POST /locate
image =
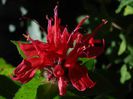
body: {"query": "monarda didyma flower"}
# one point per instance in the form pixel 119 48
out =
pixel 58 57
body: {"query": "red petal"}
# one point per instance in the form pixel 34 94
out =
pixel 94 51
pixel 24 72
pixel 50 36
pixel 81 22
pixel 34 48
pixel 28 49
pixel 71 58
pixel 58 71
pixel 64 36
pixel 62 84
pixel 79 78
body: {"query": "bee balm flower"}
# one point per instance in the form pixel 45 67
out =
pixel 58 57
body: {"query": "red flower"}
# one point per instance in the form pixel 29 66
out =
pixel 58 57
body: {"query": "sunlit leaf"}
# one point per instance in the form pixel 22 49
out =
pixel 125 74
pixel 29 90
pixel 123 3
pixel 88 62
pixel 128 10
pixel 122 47
pixel 19 49
pixel 5 69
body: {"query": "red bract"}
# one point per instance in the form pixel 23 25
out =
pixel 58 57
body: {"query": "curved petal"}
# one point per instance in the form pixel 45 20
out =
pixel 24 72
pixel 79 78
pixel 34 48
pixel 28 49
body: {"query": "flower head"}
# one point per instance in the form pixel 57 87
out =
pixel 58 57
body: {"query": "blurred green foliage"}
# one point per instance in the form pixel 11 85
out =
pixel 128 4
pixel 5 69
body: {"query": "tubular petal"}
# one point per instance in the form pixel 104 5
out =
pixel 62 84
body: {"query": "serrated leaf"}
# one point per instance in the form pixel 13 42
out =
pixel 5 69
pixel 125 75
pixel 19 49
pixel 88 62
pixel 29 90
pixel 128 10
pixel 122 47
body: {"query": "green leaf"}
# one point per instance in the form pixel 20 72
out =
pixel 122 47
pixel 48 90
pixel 1 97
pixel 5 69
pixel 88 62
pixel 125 75
pixel 128 10
pixel 29 90
pixel 56 97
pixel 123 3
pixel 19 49
pixel 129 58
